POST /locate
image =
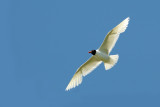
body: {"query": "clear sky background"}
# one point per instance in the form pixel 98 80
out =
pixel 43 42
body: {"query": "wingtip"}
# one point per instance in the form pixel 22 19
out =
pixel 128 18
pixel 66 89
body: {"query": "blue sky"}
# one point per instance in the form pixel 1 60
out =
pixel 43 42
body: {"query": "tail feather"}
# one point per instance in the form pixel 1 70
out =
pixel 111 62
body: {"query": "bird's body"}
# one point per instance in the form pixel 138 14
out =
pixel 103 56
pixel 100 55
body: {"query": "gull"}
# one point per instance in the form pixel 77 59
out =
pixel 102 54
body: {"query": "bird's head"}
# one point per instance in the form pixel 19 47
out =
pixel 93 52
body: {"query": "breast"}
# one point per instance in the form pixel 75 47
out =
pixel 102 56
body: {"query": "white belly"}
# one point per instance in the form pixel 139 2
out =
pixel 102 56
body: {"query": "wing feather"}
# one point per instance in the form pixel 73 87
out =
pixel 85 69
pixel 112 37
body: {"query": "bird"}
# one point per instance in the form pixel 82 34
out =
pixel 101 55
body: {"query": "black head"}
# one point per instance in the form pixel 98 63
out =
pixel 93 52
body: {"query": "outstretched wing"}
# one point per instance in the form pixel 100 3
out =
pixel 112 37
pixel 85 69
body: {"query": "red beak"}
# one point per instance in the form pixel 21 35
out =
pixel 90 52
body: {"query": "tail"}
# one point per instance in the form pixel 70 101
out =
pixel 113 59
